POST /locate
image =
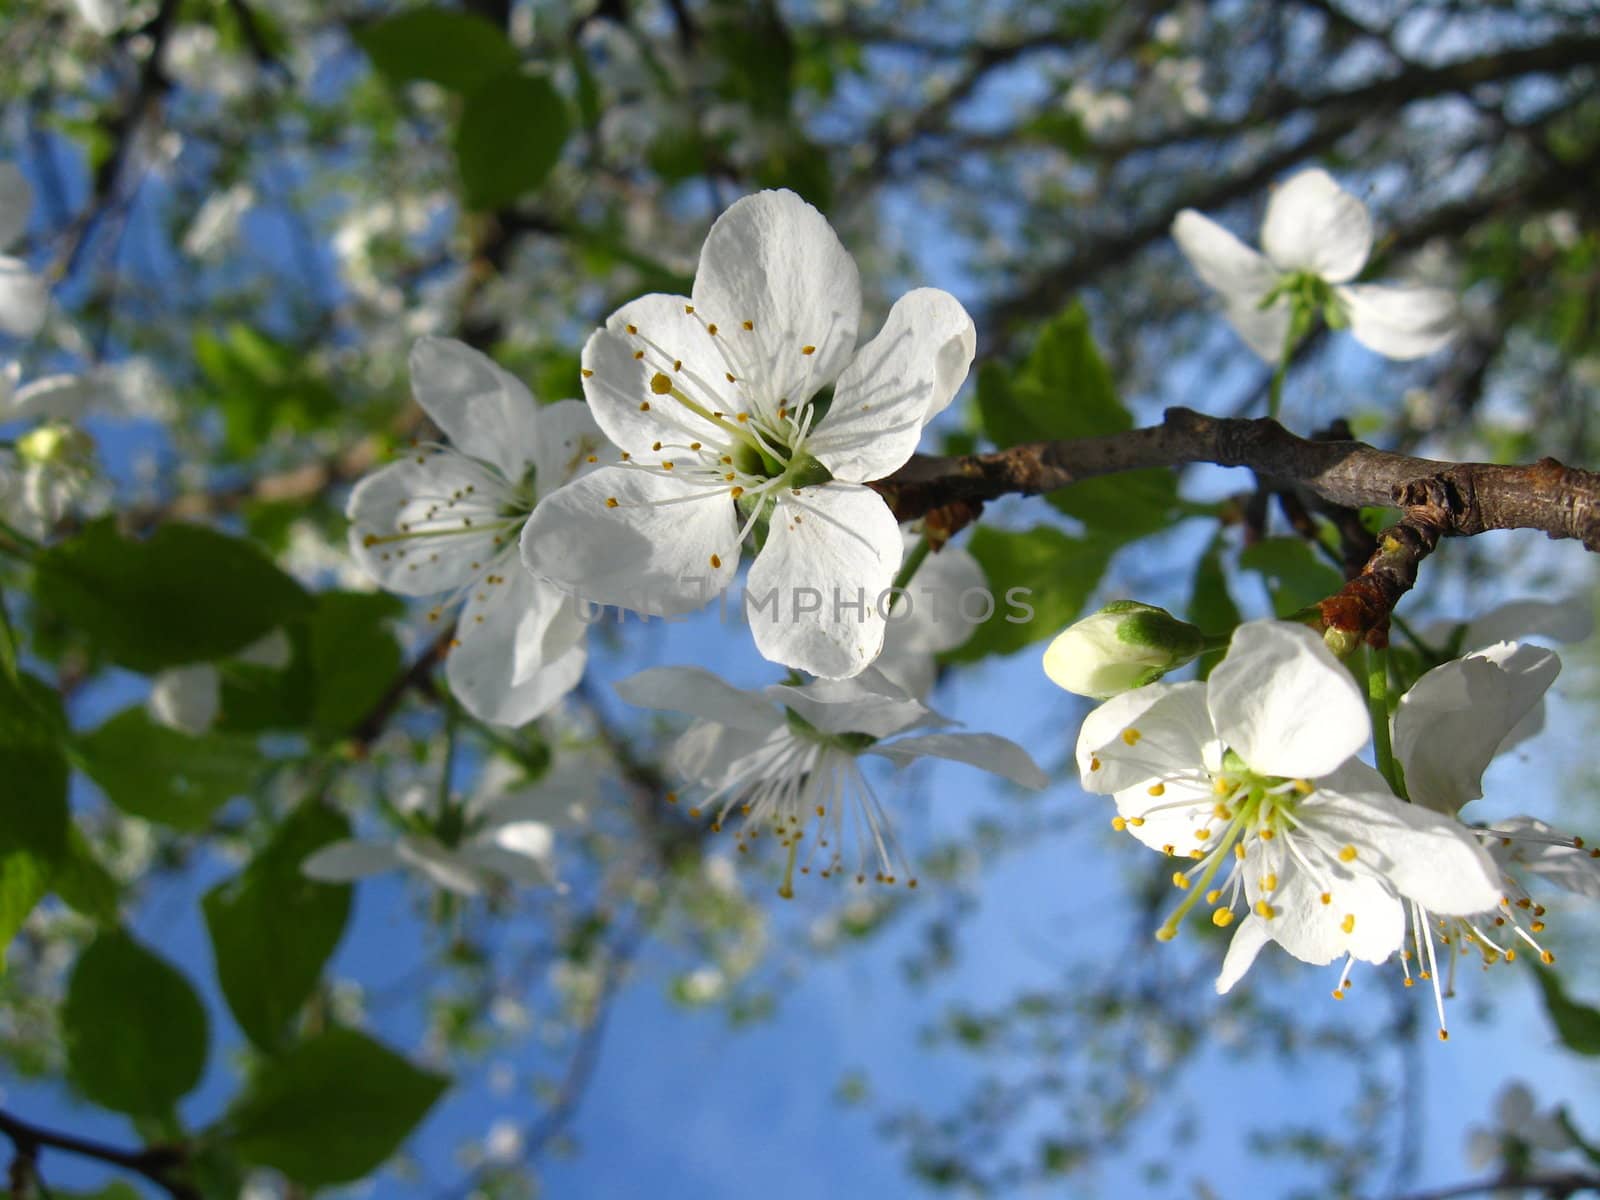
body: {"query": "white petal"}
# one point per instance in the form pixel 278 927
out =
pixel 442 867
pixel 773 260
pixel 24 299
pixel 505 669
pixel 484 411
pixel 1150 734
pixel 930 618
pixel 1570 619
pixel 894 386
pixel 1525 845
pixel 699 693
pixel 1242 950
pixel 342 862
pixel 1314 225
pixel 1400 322
pixel 999 755
pixel 831 555
pixel 1240 274
pixel 1284 703
pixel 666 339
pixel 187 698
pixel 709 751
pixel 1361 915
pixel 651 553
pixel 273 651
pixel 1456 718
pixel 420 497
pixel 845 706
pixel 102 16
pixel 565 438
pixel 520 850
pixel 57 398
pixel 1426 857
pixel 1263 329
pixel 16 199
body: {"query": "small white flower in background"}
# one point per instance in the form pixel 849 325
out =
pixel 1125 645
pixel 217 222
pixel 1252 775
pixel 931 618
pixel 24 298
pixel 102 16
pixel 1519 1130
pixel 1317 237
pixel 505 830
pixel 785 758
pixel 446 519
pixel 49 470
pixel 714 401
pixel 189 699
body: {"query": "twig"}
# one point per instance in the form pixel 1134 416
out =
pixel 155 1163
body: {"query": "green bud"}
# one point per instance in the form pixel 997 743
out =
pixel 1125 645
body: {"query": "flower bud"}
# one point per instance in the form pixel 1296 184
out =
pixel 1123 646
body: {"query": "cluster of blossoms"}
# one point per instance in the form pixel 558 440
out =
pixel 1253 778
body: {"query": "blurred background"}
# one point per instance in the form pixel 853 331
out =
pixel 247 211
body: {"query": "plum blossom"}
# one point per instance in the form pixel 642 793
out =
pixel 719 403
pixel 930 619
pixel 506 830
pixel 1519 1130
pixel 1123 646
pixel 189 699
pixel 447 519
pixel 786 758
pixel 1253 775
pixel 1317 238
pixel 24 297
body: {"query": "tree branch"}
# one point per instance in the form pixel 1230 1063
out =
pixel 155 1163
pixel 1458 499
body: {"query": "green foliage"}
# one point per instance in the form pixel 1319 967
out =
pixel 22 885
pixel 33 802
pixel 183 595
pixel 272 929
pixel 162 775
pixel 1211 605
pixel 135 1030
pixel 457 50
pixel 1295 576
pixel 1055 572
pixel 331 1109
pixel 353 656
pixel 1065 390
pixel 509 137
pixel 262 387
pixel 1577 1024
pixel 83 883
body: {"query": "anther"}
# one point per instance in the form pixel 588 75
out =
pixel 660 384
pixel 808 350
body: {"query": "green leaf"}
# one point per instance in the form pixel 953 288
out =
pixel 82 881
pixel 135 1030
pixel 1211 605
pixel 1577 1024
pixel 1295 576
pixel 185 595
pixel 330 1110
pixel 457 50
pixel 262 387
pixel 22 885
pixel 272 929
pixel 1131 505
pixel 509 137
pixel 1064 390
pixel 150 771
pixel 1040 581
pixel 354 657
pixel 33 800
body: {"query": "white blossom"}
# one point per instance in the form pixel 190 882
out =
pixel 1123 646
pixel 931 618
pixel 785 758
pixel 713 400
pixel 1316 233
pixel 24 297
pixel 447 519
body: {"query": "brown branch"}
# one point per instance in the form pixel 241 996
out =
pixel 155 1163
pixel 1461 499
pixel 1555 1185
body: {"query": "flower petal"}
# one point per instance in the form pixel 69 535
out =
pixel 894 386
pixel 342 862
pixel 24 299
pixel 1456 718
pixel 1529 845
pixel 930 618
pixel 987 751
pixel 1432 859
pixel 187 699
pixel 566 437
pixel 709 752
pixel 699 693
pixel 16 199
pixel 1240 274
pixel 444 868
pixel 668 338
pixel 57 398
pixel 1325 914
pixel 1568 620
pixel 1153 733
pixel 813 593
pixel 1263 329
pixel 651 552
pixel 486 412
pixel 1284 703
pixel 1400 321
pixel 505 669
pixel 521 851
pixel 1247 942
pixel 773 260
pixel 850 706
pixel 417 530
pixel 1314 225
